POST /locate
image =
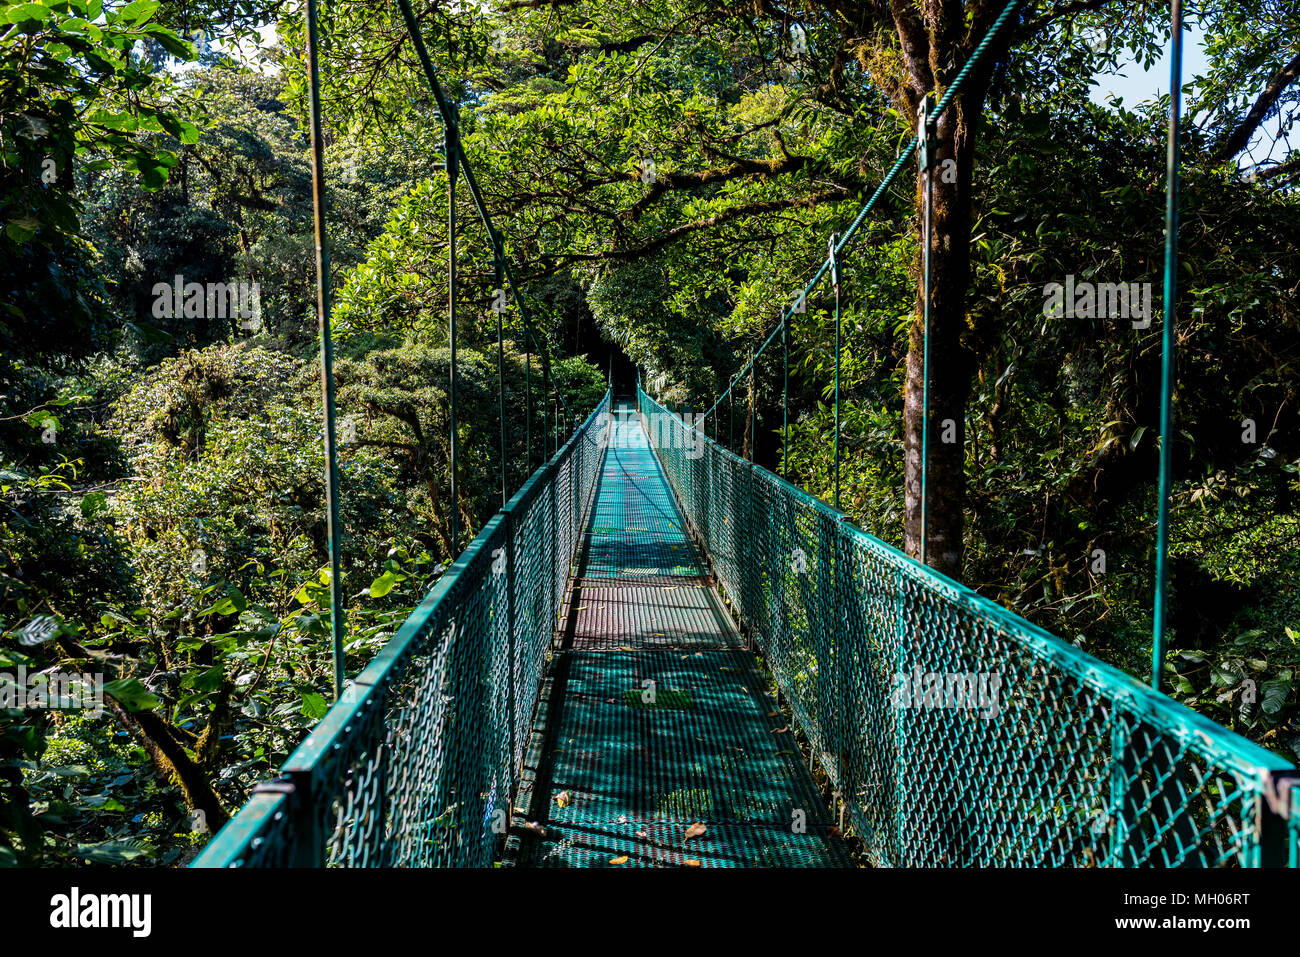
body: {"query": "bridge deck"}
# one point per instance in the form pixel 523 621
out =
pixel 654 716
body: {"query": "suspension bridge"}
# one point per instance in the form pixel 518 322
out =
pixel 658 653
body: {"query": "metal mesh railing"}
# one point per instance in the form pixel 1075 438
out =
pixel 417 762
pixel 956 733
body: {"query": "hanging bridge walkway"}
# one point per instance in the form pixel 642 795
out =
pixel 657 718
pixel 576 691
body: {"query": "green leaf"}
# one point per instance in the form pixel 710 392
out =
pixel 171 42
pixel 27 11
pixel 314 706
pixel 131 694
pixel 19 231
pixel 109 853
pixel 382 585
pixel 93 504
pixel 208 680
pixel 1275 693
pixel 138 11
pixel 183 130
pixel 124 122
pixel 233 603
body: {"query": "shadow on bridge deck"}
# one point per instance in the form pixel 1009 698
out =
pixel 654 716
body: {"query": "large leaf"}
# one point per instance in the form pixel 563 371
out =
pixel 131 694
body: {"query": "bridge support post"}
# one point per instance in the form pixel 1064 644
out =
pixel 1169 343
pixel 334 526
pixel 1277 821
pixel 516 751
pixel 926 146
pixel 453 170
pixel 835 279
pixel 308 836
pixel 750 560
pixel 785 396
pixel 554 604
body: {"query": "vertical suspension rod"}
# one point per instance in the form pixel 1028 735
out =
pixel 333 527
pixel 1169 343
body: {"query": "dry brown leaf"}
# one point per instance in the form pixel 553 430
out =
pixel 618 860
pixel 696 830
pixel 691 862
pixel 774 714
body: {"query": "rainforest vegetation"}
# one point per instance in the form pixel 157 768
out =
pixel 665 175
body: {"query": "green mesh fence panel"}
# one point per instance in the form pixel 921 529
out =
pixel 417 762
pixel 655 716
pixel 1015 749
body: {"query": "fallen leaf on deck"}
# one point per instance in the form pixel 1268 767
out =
pixel 696 830
pixel 642 836
pixel 618 860
pixel 692 862
pixel 535 828
pixel 562 799
pixel 774 714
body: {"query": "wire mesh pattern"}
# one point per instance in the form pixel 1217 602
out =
pixel 958 734
pixel 416 763
pixel 656 717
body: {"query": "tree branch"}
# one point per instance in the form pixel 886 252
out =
pixel 1239 138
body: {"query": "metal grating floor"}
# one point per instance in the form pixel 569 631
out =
pixel 654 716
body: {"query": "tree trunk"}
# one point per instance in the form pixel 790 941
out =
pixel 935 44
pixel 951 364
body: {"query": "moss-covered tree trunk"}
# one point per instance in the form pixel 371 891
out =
pixel 936 42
